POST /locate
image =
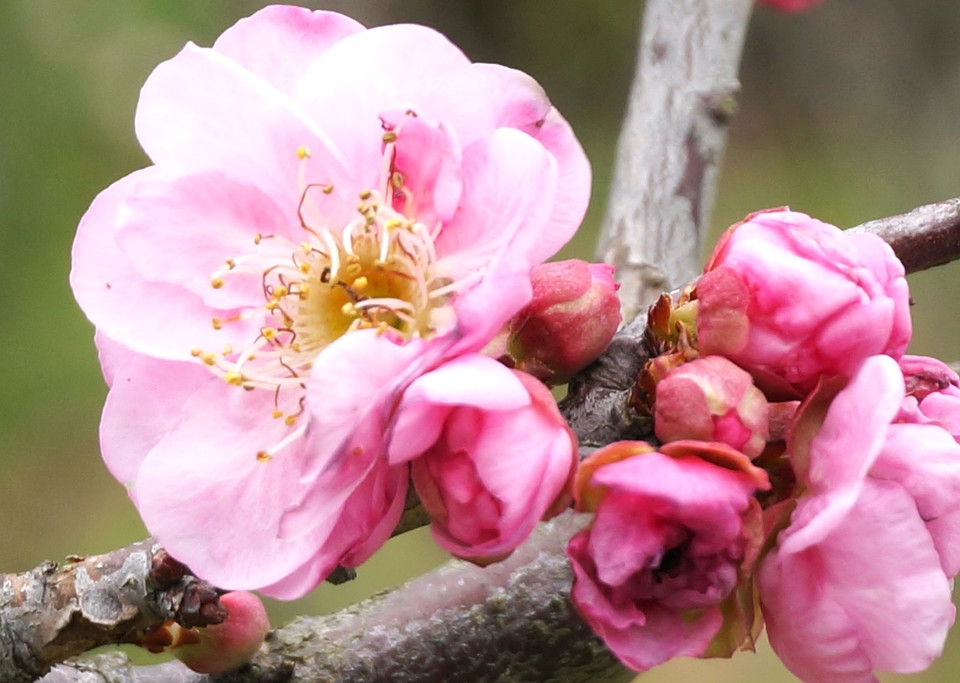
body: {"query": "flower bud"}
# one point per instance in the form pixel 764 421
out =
pixel 231 644
pixel 711 399
pixel 490 455
pixel 570 321
pixel 791 299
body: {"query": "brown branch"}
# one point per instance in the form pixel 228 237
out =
pixel 512 621
pixel 681 103
pixel 52 613
pixel 926 237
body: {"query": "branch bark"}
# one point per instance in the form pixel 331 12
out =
pixel 925 237
pixel 681 103
pixel 51 613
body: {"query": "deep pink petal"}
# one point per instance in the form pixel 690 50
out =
pixel 280 42
pixel 470 380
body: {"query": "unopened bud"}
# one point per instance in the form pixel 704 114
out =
pixel 570 321
pixel 231 644
pixel 711 399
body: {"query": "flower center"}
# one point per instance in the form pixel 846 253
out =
pixel 380 272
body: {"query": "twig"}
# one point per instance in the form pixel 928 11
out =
pixel 52 613
pixel 926 237
pixel 681 102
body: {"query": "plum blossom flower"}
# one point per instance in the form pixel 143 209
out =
pixel 456 424
pixel 658 572
pixel 711 399
pixel 790 299
pixel 571 318
pixel 331 211
pixel 860 578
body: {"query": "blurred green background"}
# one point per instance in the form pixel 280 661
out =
pixel 849 112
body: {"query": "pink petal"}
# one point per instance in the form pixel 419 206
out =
pixel 522 104
pixel 145 316
pixel 509 187
pixel 364 76
pixel 137 413
pixel 849 604
pixel 215 503
pixel 350 384
pixel 470 380
pixel 280 42
pixel 845 448
pixel 181 231
pixel 200 110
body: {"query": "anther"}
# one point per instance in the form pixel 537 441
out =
pixel 233 377
pixel 208 358
pixel 303 152
pixel 263 456
pixel 216 282
pixel 390 136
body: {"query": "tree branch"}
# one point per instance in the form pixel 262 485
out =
pixel 681 103
pixel 51 613
pixel 926 237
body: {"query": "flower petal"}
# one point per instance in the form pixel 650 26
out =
pixel 870 595
pixel 280 42
pixel 200 110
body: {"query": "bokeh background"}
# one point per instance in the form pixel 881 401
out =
pixel 849 112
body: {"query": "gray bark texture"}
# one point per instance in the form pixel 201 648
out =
pixel 682 100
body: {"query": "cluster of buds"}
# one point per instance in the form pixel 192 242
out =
pixel 795 441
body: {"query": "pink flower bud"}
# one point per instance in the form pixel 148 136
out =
pixel 231 644
pixel 790 299
pixel 711 399
pixel 490 454
pixel 663 569
pixel 570 321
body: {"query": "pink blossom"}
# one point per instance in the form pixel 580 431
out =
pixel 860 579
pixel 460 426
pixel 331 211
pixel 659 572
pixel 791 5
pixel 570 320
pixel 791 299
pixel 711 399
